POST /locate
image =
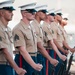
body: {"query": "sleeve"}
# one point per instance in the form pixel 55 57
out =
pixel 54 33
pixel 3 40
pixel 47 34
pixel 39 39
pixel 47 37
pixel 54 30
pixel 18 38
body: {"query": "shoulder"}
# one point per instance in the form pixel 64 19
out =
pixel 17 27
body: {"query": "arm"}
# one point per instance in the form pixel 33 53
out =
pixel 45 54
pixel 59 47
pixel 28 58
pixel 68 47
pixel 4 49
pixel 63 57
pixel 55 36
pixel 12 63
pixel 20 43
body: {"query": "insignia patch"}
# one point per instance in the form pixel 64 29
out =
pixel 45 33
pixel 0 38
pixel 44 41
pixel 16 37
pixel 52 32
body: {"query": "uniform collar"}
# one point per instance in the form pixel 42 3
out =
pixel 25 25
pixel 47 24
pixel 60 26
pixel 37 23
pixel 3 27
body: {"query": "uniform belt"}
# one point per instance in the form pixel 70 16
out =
pixel 31 53
pixel 65 48
pixel 38 52
pixel 47 47
pixel 4 62
pixel 15 52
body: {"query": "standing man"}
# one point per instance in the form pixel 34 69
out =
pixel 25 41
pixel 58 40
pixel 65 43
pixel 63 24
pixel 6 52
pixel 48 40
pixel 39 16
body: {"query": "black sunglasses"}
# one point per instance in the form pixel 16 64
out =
pixel 32 11
pixel 44 11
pixel 8 8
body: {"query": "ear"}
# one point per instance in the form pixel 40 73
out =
pixel 23 13
pixel 1 12
pixel 39 13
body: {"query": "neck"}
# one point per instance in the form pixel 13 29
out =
pixel 62 25
pixel 5 22
pixel 38 19
pixel 46 20
pixel 26 21
pixel 56 21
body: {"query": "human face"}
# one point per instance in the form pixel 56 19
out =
pixel 64 22
pixel 59 18
pixel 29 16
pixel 42 15
pixel 51 18
pixel 7 14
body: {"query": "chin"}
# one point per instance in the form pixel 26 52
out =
pixel 32 19
pixel 9 19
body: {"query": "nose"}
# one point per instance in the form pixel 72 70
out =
pixel 12 13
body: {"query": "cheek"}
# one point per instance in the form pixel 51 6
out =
pixel 8 15
pixel 65 23
pixel 59 18
pixel 34 16
pixel 43 15
pixel 30 16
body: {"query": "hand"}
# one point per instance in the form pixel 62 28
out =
pixel 21 71
pixel 63 57
pixel 38 67
pixel 66 52
pixel 72 50
pixel 54 62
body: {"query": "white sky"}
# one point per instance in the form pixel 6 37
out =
pixel 67 6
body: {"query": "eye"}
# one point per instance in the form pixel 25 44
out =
pixel 9 11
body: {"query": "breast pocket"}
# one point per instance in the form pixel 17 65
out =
pixel 4 38
pixel 59 32
pixel 28 36
pixel 10 37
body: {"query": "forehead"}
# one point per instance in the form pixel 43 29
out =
pixel 6 10
pixel 59 16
